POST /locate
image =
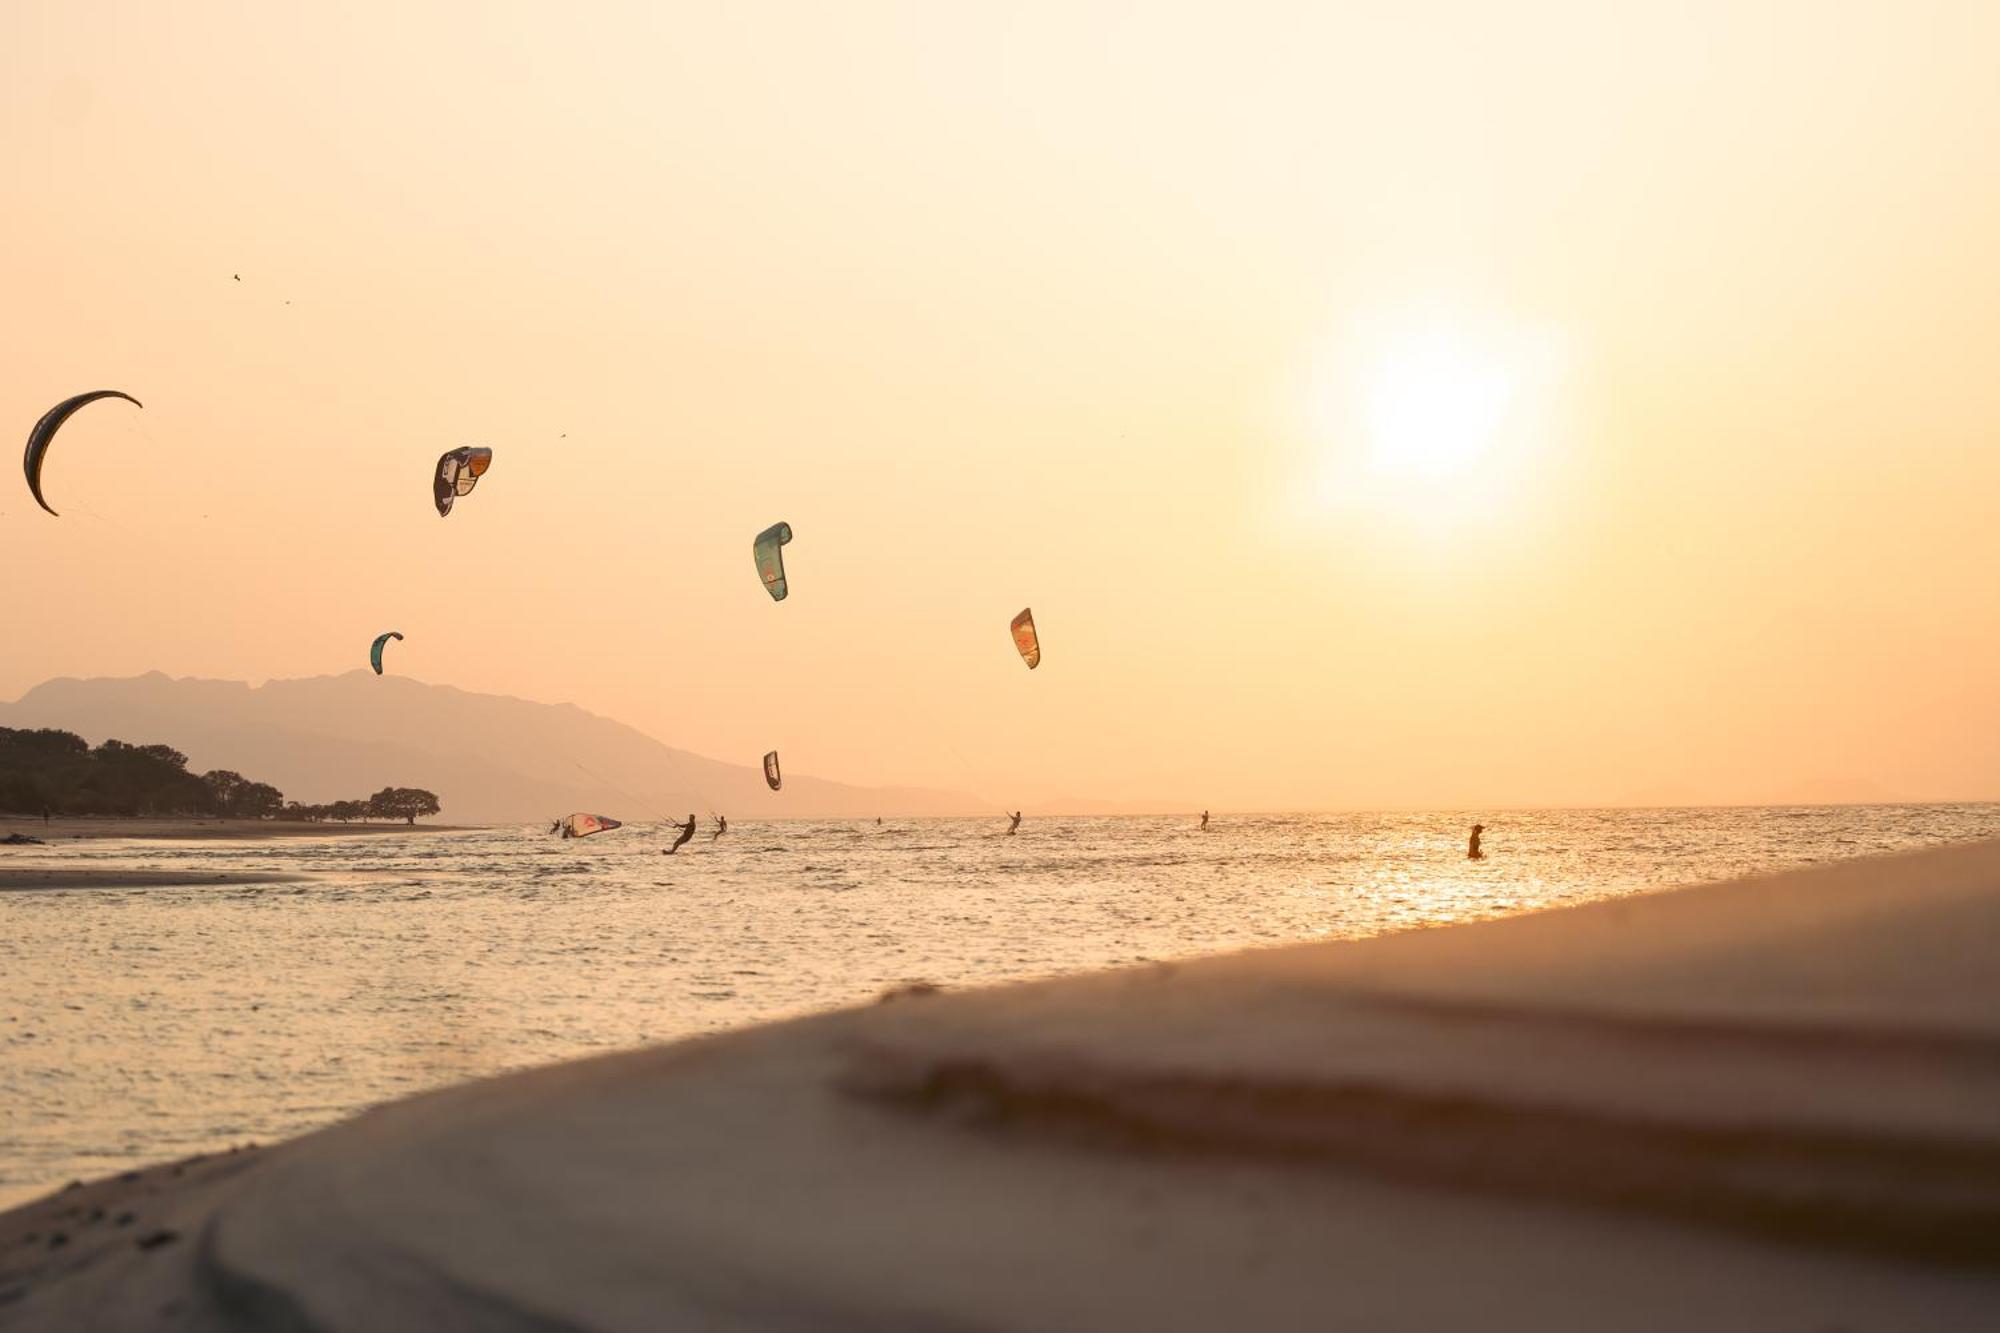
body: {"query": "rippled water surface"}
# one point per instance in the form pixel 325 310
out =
pixel 140 1024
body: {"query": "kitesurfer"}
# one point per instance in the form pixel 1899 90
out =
pixel 1472 852
pixel 687 832
pixel 1204 819
pixel 721 827
pixel 1014 822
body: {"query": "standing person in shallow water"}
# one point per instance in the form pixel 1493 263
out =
pixel 1014 822
pixel 721 827
pixel 1204 819
pixel 687 831
pixel 1472 851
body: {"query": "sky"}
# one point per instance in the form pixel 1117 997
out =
pixel 1378 404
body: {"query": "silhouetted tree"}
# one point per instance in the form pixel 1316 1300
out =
pixel 240 798
pixel 58 771
pixel 223 786
pixel 258 800
pixel 138 780
pixel 40 769
pixel 404 803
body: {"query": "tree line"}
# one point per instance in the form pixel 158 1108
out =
pixel 51 772
pixel 405 803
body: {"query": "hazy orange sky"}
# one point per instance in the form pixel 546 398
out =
pixel 1378 404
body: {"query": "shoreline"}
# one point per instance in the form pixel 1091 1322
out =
pixel 1765 1102
pixel 73 828
pixel 58 879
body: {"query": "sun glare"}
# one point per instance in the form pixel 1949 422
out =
pixel 1435 405
pixel 1432 419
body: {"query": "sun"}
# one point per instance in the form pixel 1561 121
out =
pixel 1435 404
pixel 1431 419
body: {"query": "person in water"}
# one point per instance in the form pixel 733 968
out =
pixel 687 832
pixel 1204 819
pixel 721 827
pixel 1472 852
pixel 1014 822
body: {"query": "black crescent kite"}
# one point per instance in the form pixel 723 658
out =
pixel 45 431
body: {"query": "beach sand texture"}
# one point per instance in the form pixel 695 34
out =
pixel 1767 1104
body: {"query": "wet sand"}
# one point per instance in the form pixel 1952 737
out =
pixel 67 828
pixel 42 879
pixel 1771 1103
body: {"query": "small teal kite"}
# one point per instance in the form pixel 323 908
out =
pixel 375 651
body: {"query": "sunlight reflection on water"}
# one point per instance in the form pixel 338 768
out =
pixel 138 1025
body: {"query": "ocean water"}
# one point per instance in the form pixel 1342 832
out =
pixel 137 1025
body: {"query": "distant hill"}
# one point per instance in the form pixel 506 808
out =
pixel 491 759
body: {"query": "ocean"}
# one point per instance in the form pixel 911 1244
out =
pixel 139 1025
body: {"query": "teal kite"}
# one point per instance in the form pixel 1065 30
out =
pixel 375 650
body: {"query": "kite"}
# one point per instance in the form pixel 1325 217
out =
pixel 771 774
pixel 770 559
pixel 375 650
pixel 458 471
pixel 45 431
pixel 1029 646
pixel 582 826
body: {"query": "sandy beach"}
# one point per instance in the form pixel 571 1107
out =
pixel 1769 1103
pixel 69 828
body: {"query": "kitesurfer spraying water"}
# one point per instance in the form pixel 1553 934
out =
pixel 1472 851
pixel 687 832
pixel 1014 822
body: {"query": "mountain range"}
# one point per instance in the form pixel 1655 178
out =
pixel 490 758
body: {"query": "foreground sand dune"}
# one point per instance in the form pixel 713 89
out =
pixel 1768 1104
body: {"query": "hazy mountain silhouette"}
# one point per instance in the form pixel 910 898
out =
pixel 490 758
